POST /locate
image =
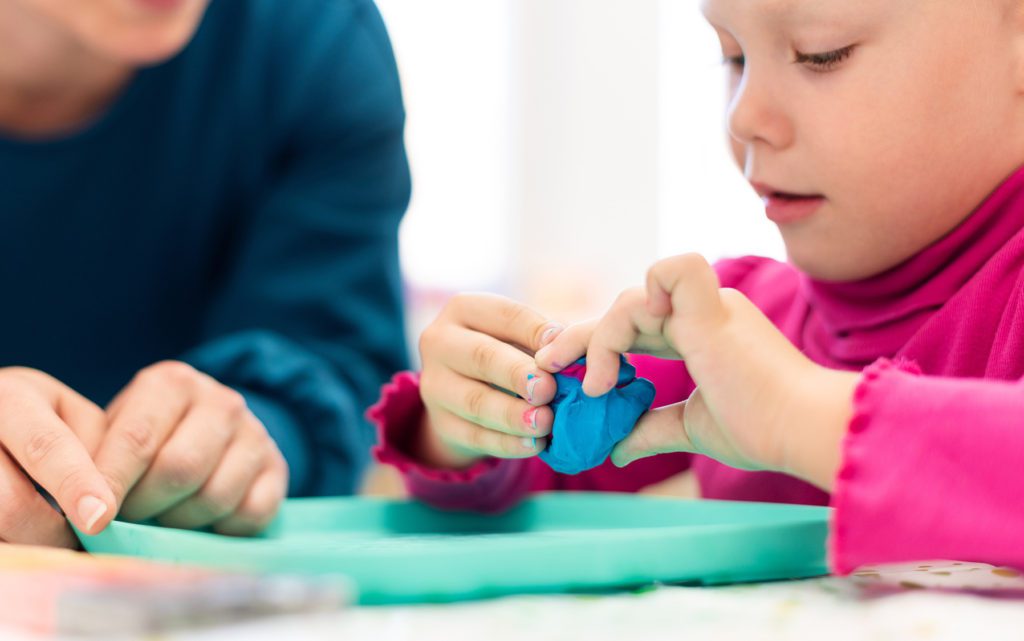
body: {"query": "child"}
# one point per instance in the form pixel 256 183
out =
pixel 881 365
pixel 199 209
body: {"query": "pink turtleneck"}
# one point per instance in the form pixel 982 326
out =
pixel 933 462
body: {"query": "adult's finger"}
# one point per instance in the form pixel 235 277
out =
pixel 25 516
pixel 51 454
pixel 188 457
pixel 260 505
pixel 146 413
pixel 224 491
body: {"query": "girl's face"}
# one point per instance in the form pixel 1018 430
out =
pixel 890 119
pixel 134 32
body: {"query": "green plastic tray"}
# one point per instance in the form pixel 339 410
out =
pixel 403 552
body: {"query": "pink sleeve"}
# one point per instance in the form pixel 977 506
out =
pixel 495 485
pixel 932 469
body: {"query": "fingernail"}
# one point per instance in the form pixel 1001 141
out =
pixel 531 382
pixel 558 366
pixel 530 418
pixel 530 443
pixel 550 333
pixel 90 510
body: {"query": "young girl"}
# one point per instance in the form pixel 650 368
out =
pixel 199 211
pixel 880 366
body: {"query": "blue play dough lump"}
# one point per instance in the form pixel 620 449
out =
pixel 587 429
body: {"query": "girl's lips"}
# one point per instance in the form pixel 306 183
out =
pixel 784 208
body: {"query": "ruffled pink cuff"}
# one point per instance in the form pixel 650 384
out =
pixel 857 487
pixel 492 485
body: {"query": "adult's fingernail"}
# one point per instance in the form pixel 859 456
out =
pixel 90 510
pixel 530 443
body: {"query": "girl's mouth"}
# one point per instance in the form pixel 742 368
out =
pixel 787 207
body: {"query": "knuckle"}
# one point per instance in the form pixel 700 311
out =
pixel 483 355
pixel 214 504
pixel 169 372
pixel 630 297
pixel 139 436
pixel 40 446
pixel 474 403
pixel 514 313
pixel 428 338
pixel 232 401
pixel 458 304
pixel 71 484
pixel 181 470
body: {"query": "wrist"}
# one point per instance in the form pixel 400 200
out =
pixel 813 434
pixel 431 450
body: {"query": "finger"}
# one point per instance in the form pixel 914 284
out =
pixel 503 319
pixel 50 453
pixel 626 326
pixel 471 439
pixel 488 407
pixel 25 516
pixel 84 417
pixel 260 505
pixel 568 347
pixel 221 495
pixel 691 284
pixel 659 431
pixel 190 455
pixel 483 358
pixel 145 416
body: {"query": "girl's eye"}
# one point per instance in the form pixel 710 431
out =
pixel 826 61
pixel 736 62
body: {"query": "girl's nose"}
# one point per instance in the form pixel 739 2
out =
pixel 757 114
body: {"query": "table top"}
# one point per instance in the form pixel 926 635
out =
pixel 940 600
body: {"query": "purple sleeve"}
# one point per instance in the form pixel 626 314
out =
pixel 932 469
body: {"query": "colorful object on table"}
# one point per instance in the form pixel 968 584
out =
pixel 586 429
pixel 53 591
pixel 406 552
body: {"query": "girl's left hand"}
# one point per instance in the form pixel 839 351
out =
pixel 185 449
pixel 760 404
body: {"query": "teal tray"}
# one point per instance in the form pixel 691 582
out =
pixel 402 552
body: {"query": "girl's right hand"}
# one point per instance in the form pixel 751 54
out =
pixel 49 434
pixel 478 347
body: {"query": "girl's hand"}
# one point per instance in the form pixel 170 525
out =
pixel 478 347
pixel 184 449
pixel 49 434
pixel 759 405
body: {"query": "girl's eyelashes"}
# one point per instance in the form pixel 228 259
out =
pixel 825 61
pixel 736 62
pixel 818 62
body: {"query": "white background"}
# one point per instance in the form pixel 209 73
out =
pixel 559 147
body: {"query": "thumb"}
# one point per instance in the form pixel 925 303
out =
pixel 659 431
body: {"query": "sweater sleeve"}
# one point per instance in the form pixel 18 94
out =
pixel 307 322
pixel 931 470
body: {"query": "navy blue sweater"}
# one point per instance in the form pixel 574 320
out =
pixel 237 207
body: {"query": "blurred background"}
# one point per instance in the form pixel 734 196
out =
pixel 559 147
